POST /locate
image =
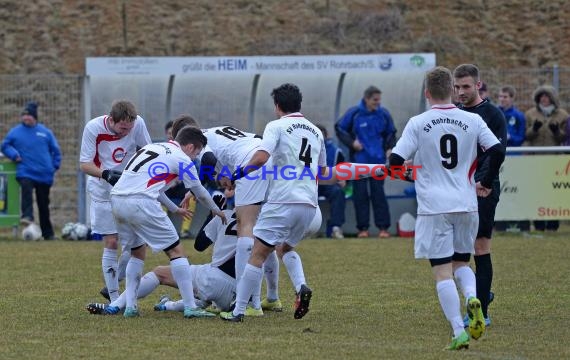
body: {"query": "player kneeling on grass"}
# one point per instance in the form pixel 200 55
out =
pixel 137 210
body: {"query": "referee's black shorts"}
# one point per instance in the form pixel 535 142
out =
pixel 487 206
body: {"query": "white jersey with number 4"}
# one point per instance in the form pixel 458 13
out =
pixel 153 167
pixel 444 140
pixel 298 150
pixel 230 146
pixel 101 146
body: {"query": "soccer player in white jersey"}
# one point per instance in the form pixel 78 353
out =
pixel 297 145
pixel 213 282
pixel 108 142
pixel 444 140
pixel 140 219
pixel 229 148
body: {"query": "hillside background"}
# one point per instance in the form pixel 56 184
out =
pixel 515 43
pixel 55 36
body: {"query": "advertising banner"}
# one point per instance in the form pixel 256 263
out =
pixel 535 187
pixel 107 66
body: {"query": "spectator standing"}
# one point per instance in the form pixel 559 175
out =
pixel 516 125
pixel 484 92
pixel 368 130
pixel 36 152
pixel 516 128
pixel 333 193
pixel 545 126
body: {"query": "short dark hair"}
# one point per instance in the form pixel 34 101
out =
pixel 123 110
pixel 191 135
pixel 509 90
pixel 323 130
pixel 288 97
pixel 465 70
pixel 439 83
pixel 182 121
pixel 168 125
pixel 371 91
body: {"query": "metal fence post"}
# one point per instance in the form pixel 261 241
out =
pixel 556 78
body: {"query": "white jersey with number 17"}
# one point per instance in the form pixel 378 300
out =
pixel 298 150
pixel 445 141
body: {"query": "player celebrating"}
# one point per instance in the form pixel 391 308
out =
pixel 445 141
pixel 295 142
pixel 108 142
pixel 140 217
pixel 212 282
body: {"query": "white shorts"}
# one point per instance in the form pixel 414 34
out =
pixel 212 284
pixel 141 219
pixel 102 219
pixel 279 223
pixel 252 189
pixel 439 236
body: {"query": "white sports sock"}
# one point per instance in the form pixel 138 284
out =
pixel 110 269
pixel 449 301
pixel 123 260
pixel 133 273
pixel 182 274
pixel 243 252
pixel 149 282
pixel 174 305
pixel 294 267
pixel 465 278
pixel 246 286
pixel 271 272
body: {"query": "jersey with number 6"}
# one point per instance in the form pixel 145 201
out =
pixel 298 150
pixel 153 167
pixel 444 140
pixel 230 146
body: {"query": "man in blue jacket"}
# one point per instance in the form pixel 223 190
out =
pixel 516 124
pixel 333 193
pixel 369 133
pixel 36 152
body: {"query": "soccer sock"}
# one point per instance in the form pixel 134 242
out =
pixel 449 301
pixel 246 286
pixel 109 265
pixel 174 305
pixel 243 251
pixel 484 276
pixel 149 282
pixel 133 274
pixel 271 272
pixel 294 267
pixel 123 260
pixel 181 272
pixel 465 278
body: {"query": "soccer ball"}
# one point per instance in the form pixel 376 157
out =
pixel 74 231
pixel 32 232
pixel 66 230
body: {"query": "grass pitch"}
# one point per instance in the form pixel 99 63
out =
pixel 371 300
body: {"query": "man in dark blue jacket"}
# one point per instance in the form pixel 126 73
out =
pixel 516 125
pixel 333 193
pixel 369 133
pixel 36 152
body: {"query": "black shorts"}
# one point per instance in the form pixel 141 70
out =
pixel 487 208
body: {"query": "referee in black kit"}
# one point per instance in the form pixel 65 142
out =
pixel 467 84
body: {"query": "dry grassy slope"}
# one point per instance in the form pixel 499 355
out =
pixel 56 35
